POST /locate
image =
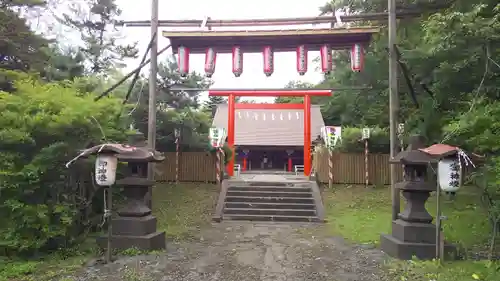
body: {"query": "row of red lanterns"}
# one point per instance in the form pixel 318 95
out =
pixel 357 61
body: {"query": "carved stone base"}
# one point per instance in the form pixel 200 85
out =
pixel 407 250
pixel 153 241
pixel 134 226
pixel 414 231
pixel 134 232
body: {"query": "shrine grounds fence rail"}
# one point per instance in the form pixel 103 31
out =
pixel 348 168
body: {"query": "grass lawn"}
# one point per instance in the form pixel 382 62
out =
pixel 361 215
pixel 180 210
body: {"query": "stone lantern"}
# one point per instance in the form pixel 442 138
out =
pixel 135 226
pixel 413 233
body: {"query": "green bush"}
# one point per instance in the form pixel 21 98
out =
pixel 351 141
pixel 228 152
pixel 42 126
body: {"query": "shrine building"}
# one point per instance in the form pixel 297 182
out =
pixel 275 134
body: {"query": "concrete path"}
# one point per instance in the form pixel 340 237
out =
pixel 249 252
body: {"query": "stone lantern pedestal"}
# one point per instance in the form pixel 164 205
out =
pixel 413 233
pixel 135 226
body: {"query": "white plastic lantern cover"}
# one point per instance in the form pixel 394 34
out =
pixel 105 169
pixel 449 174
pixel 217 136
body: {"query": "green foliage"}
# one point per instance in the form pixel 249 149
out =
pixel 176 109
pixel 64 64
pixel 20 48
pixel 41 127
pixel 211 104
pixel 228 151
pixel 352 143
pixel 95 21
pixel 361 214
pixel 453 49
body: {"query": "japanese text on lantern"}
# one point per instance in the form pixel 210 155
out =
pixel 102 170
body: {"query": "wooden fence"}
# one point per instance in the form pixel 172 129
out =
pixel 193 167
pixel 348 168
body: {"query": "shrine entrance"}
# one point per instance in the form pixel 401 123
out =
pixel 305 106
pixel 268 42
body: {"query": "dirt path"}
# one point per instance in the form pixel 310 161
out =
pixel 250 252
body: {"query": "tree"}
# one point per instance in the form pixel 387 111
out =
pixel 211 104
pixel 42 126
pixel 170 79
pixel 64 64
pixel 175 109
pixel 96 20
pixel 20 48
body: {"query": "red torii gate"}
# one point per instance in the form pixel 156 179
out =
pixel 306 106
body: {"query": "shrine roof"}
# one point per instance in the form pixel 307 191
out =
pixel 281 40
pixel 270 127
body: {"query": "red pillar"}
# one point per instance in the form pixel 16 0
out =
pixel 230 132
pixel 245 163
pixel 289 164
pixel 307 135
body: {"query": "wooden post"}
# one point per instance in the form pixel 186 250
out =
pixel 367 174
pixel 218 166
pixel 330 168
pixel 393 104
pixel 307 135
pixel 177 154
pixel 230 132
pixel 108 213
pixel 153 72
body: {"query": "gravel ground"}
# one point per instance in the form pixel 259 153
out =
pixel 249 252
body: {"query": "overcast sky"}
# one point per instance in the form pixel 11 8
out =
pixel 253 76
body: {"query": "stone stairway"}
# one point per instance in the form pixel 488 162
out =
pixel 295 201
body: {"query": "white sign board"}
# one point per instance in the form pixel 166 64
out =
pixel 365 133
pixel 331 135
pixel 217 137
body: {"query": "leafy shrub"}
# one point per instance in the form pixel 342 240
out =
pixel 42 126
pixel 351 140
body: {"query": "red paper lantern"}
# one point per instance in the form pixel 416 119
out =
pixel 357 58
pixel 326 59
pixel 268 55
pixel 210 60
pixel 302 59
pixel 183 60
pixel 237 61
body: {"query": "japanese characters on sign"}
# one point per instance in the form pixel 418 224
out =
pixel 365 133
pixel 217 137
pixel 105 169
pixel 331 135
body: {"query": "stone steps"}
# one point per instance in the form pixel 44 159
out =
pixel 269 201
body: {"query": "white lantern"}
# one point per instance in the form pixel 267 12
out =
pixel 105 169
pixel 449 174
